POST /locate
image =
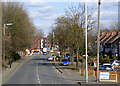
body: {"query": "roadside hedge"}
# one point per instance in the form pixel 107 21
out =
pixel 14 56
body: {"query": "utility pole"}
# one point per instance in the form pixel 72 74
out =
pixel 0 43
pixel 47 44
pixel 53 47
pixel 4 45
pixel 98 40
pixel 86 40
pixel 4 26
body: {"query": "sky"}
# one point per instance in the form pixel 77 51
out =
pixel 43 13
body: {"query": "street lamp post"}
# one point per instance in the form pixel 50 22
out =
pixel 4 26
pixel 53 46
pixel 86 40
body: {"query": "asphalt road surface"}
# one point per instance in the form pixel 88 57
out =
pixel 38 71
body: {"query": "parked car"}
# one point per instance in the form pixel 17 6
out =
pixel 50 58
pixel 105 68
pixel 44 53
pixel 100 68
pixel 57 58
pixel 108 66
pixel 53 56
pixel 65 62
pixel 115 62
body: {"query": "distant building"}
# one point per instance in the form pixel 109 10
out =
pixel 42 42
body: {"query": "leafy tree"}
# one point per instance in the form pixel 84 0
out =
pixel 70 32
pixel 20 35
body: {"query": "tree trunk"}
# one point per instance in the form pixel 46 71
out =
pixel 77 60
pixel 72 56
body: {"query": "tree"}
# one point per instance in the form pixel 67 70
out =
pixel 69 30
pixel 20 35
pixel 39 32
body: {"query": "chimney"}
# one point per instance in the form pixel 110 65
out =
pixel 114 33
pixel 108 33
pixel 103 33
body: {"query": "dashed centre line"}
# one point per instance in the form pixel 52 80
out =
pixel 38 78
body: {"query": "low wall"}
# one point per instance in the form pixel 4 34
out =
pixel 114 75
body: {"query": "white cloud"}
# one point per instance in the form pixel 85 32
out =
pixel 106 23
pixel 52 17
pixel 43 15
pixel 46 9
pixel 34 14
pixel 42 25
pixel 107 15
pixel 35 4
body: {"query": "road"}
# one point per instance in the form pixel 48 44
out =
pixel 38 70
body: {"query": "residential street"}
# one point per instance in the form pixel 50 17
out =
pixel 38 71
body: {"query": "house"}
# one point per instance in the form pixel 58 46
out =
pixel 110 44
pixel 42 42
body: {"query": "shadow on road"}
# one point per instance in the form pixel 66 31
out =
pixel 52 77
pixel 44 59
pixel 42 64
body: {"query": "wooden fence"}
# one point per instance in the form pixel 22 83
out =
pixel 114 76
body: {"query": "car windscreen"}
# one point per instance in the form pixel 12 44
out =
pixel 101 68
pixel 64 60
pixel 117 61
pixel 107 66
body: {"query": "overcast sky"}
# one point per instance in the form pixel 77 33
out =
pixel 44 13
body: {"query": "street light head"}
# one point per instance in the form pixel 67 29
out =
pixel 9 24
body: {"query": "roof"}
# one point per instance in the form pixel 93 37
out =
pixel 112 36
pixel 106 37
pixel 117 37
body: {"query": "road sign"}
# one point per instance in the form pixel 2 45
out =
pixel 104 75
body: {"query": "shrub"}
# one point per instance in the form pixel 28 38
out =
pixel 101 59
pixel 114 58
pixel 16 56
pixel 106 60
pixel 9 57
pixel 88 63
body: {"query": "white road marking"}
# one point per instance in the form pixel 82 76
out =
pixel 37 74
pixel 39 82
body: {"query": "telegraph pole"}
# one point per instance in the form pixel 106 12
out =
pixel 98 40
pixel 4 45
pixel 4 26
pixel 53 47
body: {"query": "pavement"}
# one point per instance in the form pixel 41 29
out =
pixel 9 72
pixel 74 76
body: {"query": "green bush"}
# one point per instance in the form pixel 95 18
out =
pixel 101 59
pixel 106 60
pixel 114 58
pixel 16 56
pixel 79 57
pixel 88 63
pixel 9 57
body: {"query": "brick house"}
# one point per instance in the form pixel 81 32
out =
pixel 110 44
pixel 42 42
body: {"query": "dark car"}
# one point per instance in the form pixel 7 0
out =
pixel 44 53
pixel 58 58
pixel 100 68
pixel 108 68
